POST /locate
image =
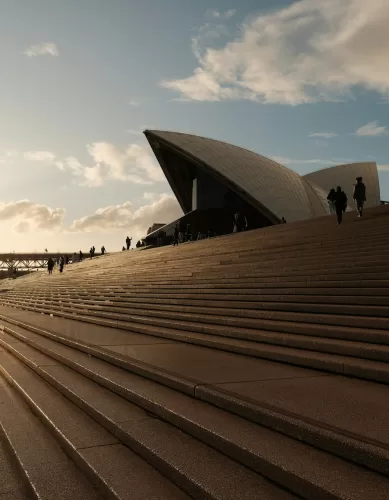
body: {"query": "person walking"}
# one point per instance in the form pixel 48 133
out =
pixel 61 264
pixel 103 250
pixel 331 201
pixel 50 265
pixel 81 256
pixel 359 195
pixel 240 223
pixel 128 242
pixel 340 202
pixel 175 235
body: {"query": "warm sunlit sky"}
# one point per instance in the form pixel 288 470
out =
pixel 306 83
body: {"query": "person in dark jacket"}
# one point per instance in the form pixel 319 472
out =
pixel 331 199
pixel 176 234
pixel 50 265
pixel 359 195
pixel 340 202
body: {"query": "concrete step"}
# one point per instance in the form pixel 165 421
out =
pixel 11 486
pixel 333 326
pixel 43 470
pixel 260 449
pixel 112 469
pixel 195 467
pixel 377 306
pixel 361 360
pixel 317 425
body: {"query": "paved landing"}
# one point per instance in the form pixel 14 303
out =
pixel 353 406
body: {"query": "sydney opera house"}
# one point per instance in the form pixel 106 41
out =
pixel 212 180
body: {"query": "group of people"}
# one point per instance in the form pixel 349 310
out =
pixel 337 199
pixel 63 260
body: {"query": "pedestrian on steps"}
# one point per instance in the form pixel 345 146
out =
pixel 331 201
pixel 176 235
pixel 50 265
pixel 359 195
pixel 340 202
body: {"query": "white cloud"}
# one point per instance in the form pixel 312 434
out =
pixel 323 135
pixel 42 49
pixel 28 214
pixel 309 51
pixel 134 103
pixel 133 164
pixel 163 209
pixel 216 14
pixel 41 156
pixel 371 129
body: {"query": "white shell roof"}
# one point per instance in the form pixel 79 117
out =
pixel 345 176
pixel 276 187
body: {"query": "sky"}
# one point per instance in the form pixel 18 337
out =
pixel 303 82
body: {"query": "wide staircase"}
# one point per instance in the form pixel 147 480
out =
pixel 251 366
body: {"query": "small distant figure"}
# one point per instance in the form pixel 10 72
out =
pixel 50 265
pixel 61 264
pixel 103 250
pixel 123 249
pixel 340 202
pixel 180 232
pixel 188 233
pixel 331 201
pixel 359 195
pixel 80 256
pixel 283 220
pixel 74 258
pixel 14 273
pixel 128 242
pixel 67 259
pixel 93 251
pixel 240 223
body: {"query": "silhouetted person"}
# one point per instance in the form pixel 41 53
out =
pixel 240 223
pixel 128 242
pixel 103 250
pixel 50 265
pixel 67 259
pixel 81 256
pixel 340 201
pixel 331 201
pixel 14 273
pixel 123 249
pixel 180 232
pixel 283 221
pixel 359 195
pixel 93 251
pixel 188 233
pixel 61 264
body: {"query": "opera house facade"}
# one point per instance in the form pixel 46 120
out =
pixel 212 180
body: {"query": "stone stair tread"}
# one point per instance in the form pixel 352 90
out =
pixel 87 439
pixel 214 392
pixel 133 353
pixel 282 455
pixel 211 473
pixel 48 471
